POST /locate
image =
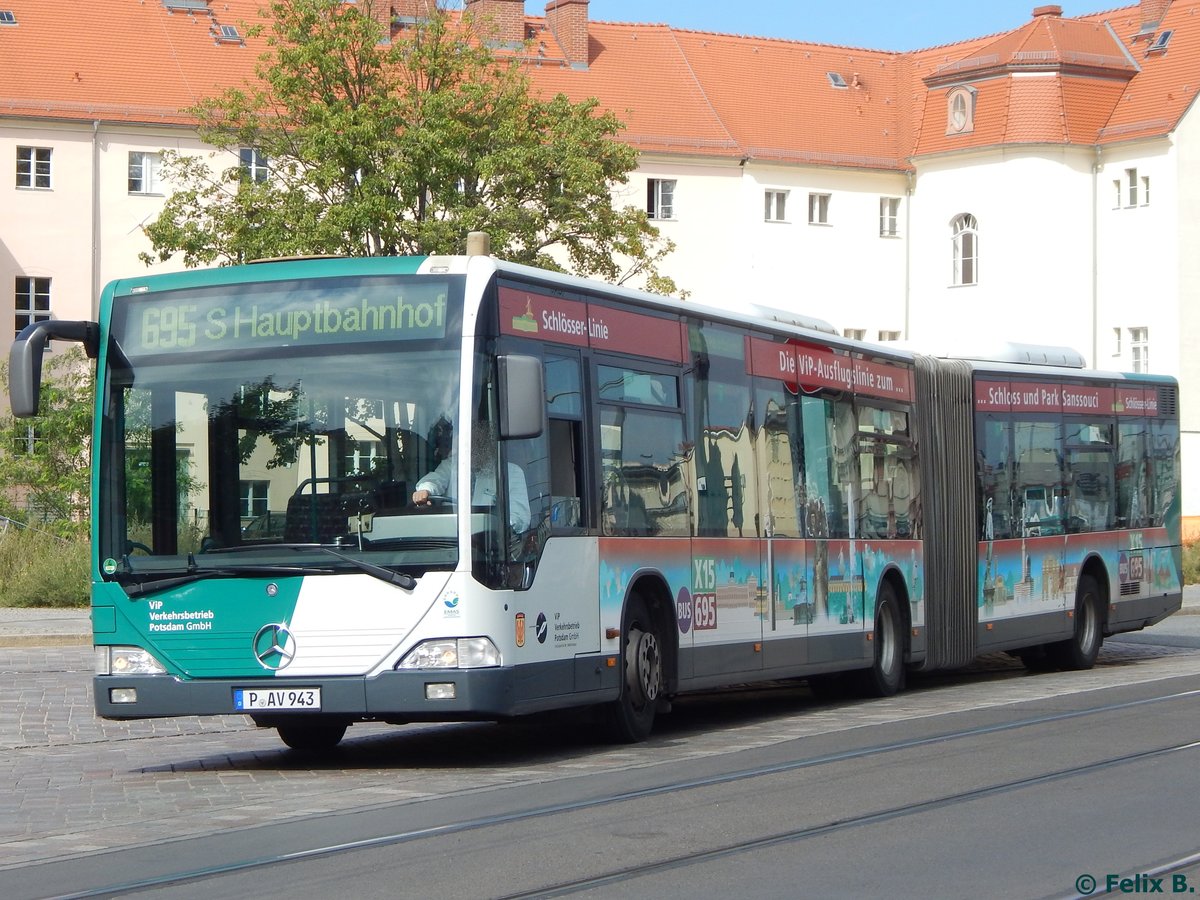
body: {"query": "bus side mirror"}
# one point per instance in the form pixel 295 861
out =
pixel 25 359
pixel 522 396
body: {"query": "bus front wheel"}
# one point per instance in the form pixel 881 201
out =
pixel 631 716
pixel 311 738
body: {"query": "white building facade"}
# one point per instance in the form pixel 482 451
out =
pixel 1075 237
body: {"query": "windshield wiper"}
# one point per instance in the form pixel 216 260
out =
pixel 383 573
pixel 142 588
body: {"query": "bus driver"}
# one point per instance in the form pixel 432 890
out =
pixel 442 483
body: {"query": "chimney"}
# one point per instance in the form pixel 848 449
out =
pixel 501 22
pixel 568 21
pixel 1153 12
pixel 1053 11
pixel 381 11
pixel 411 11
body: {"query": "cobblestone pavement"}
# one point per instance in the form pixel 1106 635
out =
pixel 77 783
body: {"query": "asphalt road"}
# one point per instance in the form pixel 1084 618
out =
pixel 990 782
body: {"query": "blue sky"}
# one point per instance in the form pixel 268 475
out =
pixel 872 24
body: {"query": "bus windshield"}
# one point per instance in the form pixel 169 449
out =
pixel 269 446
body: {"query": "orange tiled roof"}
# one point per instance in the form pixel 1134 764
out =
pixel 125 61
pixel 1166 84
pixel 1092 79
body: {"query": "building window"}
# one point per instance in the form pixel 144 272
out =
pixel 775 206
pixel 889 216
pixel 960 111
pixel 25 441
pixel 32 301
pixel 885 336
pixel 363 457
pixel 818 209
pixel 1116 342
pixel 33 167
pixel 253 498
pixel 1132 190
pixel 254 164
pixel 1139 348
pixel 660 198
pixel 966 249
pixel 855 334
pixel 144 173
pixel 1131 176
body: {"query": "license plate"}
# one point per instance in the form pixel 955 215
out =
pixel 277 698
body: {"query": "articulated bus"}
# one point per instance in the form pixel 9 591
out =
pixel 663 498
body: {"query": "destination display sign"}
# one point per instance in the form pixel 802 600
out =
pixel 1072 399
pixel 283 313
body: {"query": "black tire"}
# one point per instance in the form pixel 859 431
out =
pixel 631 716
pixel 831 687
pixel 311 738
pixel 886 675
pixel 1079 651
pixel 1036 659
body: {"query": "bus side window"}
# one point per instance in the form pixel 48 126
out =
pixel 1091 476
pixel 644 493
pixel 564 410
pixel 1164 453
pixel 566 498
pixel 1133 475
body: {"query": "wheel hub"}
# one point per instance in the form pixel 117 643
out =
pixel 645 665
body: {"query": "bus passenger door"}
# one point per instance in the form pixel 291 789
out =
pixel 644 509
pixel 788 599
pixel 729 600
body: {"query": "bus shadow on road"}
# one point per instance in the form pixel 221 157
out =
pixel 565 736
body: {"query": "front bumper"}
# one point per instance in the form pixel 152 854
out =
pixel 493 693
pixel 481 693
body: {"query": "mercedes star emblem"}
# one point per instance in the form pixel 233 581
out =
pixel 274 646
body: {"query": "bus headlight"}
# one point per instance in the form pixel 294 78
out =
pixel 126 661
pixel 452 653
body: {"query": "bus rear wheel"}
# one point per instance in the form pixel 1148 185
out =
pixel 886 675
pixel 631 716
pixel 1080 650
pixel 310 737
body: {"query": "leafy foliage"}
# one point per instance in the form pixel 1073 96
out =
pixel 45 464
pixel 38 569
pixel 381 147
pixel 1191 563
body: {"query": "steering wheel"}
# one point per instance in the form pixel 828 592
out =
pixel 438 501
pixel 130 546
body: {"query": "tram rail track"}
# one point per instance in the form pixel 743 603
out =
pixel 680 786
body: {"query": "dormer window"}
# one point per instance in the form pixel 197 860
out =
pixel 960 111
pixel 7 17
pixel 1160 43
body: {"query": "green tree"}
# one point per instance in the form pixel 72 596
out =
pixel 403 146
pixel 45 464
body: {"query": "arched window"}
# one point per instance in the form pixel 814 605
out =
pixel 960 111
pixel 966 249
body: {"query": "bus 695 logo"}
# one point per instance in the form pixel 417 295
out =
pixel 704 593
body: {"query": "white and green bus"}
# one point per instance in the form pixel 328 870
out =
pixel 330 491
